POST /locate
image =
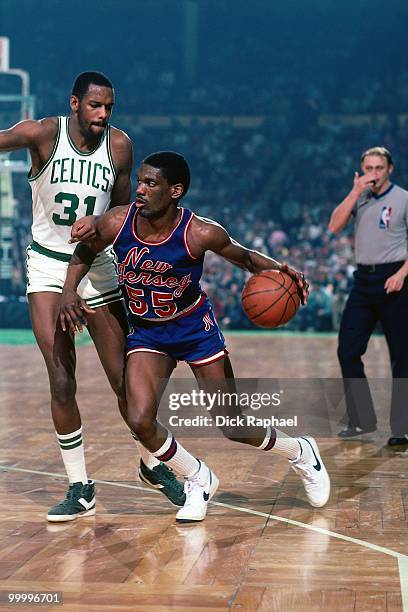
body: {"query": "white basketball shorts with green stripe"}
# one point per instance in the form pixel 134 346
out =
pixel 46 271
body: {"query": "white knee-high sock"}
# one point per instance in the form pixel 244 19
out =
pixel 176 457
pixel 279 443
pixel 73 456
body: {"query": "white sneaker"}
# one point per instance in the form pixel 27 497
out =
pixel 199 489
pixel 310 468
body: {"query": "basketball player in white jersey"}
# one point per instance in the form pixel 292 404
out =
pixel 81 165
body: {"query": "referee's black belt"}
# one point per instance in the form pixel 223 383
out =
pixel 380 268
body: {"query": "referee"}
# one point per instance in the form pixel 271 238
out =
pixel 379 292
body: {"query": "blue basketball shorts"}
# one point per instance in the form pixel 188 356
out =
pixel 195 338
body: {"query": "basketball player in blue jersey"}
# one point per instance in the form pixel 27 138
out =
pixel 80 165
pixel 160 249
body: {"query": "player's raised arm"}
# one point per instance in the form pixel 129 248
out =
pixel 37 136
pixel 207 235
pixel 21 136
pixel 72 306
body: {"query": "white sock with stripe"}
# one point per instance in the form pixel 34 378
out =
pixel 281 444
pixel 73 456
pixel 148 459
pixel 176 457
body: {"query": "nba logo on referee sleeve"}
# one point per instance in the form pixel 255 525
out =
pixel 385 217
pixel 208 322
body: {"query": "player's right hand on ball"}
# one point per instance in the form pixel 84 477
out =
pixel 300 280
pixel 83 229
pixel 73 310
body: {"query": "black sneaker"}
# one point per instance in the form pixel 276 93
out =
pixel 80 501
pixel 352 432
pixel 398 441
pixel 163 478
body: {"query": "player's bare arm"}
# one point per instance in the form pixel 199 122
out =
pixel 207 235
pixel 73 308
pixel 36 136
pixel 342 213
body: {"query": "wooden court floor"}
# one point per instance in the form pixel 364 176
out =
pixel 261 547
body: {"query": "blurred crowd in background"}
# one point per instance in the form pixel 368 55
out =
pixel 273 131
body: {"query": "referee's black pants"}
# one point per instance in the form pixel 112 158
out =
pixel 367 304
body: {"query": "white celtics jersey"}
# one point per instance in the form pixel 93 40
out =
pixel 72 184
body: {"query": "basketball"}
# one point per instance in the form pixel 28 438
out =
pixel 270 299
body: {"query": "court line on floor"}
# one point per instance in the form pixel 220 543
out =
pixel 402 559
pixel 403 571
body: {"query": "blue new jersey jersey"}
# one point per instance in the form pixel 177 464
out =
pixel 159 280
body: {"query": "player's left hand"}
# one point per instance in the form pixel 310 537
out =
pixel 299 279
pixel 73 311
pixel 83 229
pixel 395 282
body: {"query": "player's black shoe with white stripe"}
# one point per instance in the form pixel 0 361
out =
pixel 164 480
pixel 80 501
